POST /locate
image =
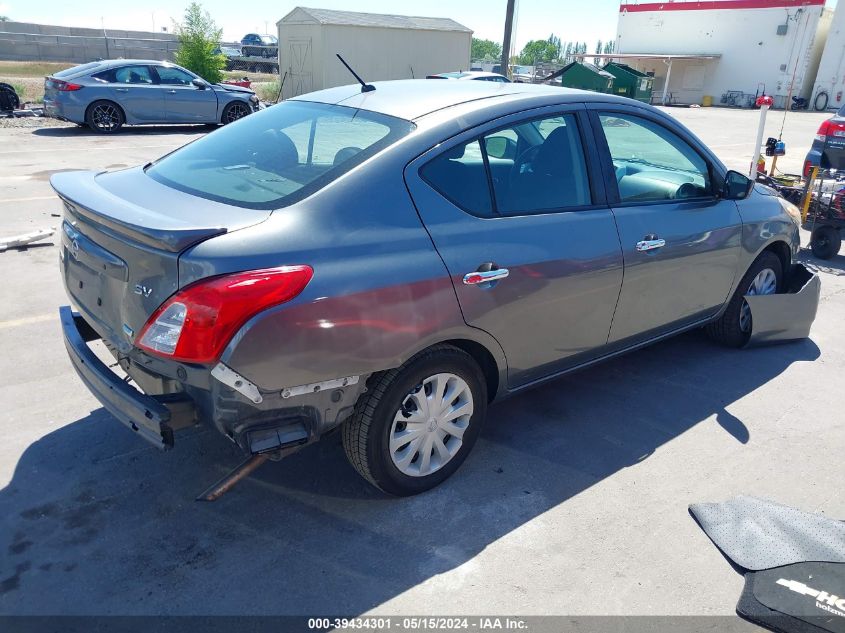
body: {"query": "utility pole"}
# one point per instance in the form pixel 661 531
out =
pixel 506 40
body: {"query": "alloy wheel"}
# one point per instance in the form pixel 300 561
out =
pixel 105 117
pixel 236 111
pixel 428 428
pixel 765 283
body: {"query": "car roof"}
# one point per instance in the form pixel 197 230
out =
pixel 414 98
pixel 96 67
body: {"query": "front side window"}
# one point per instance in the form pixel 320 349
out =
pixel 536 166
pixel 170 76
pixel 651 163
pixel 133 75
pixel 279 155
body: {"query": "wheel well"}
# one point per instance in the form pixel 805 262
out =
pixel 781 249
pixel 485 360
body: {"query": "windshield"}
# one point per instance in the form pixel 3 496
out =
pixel 278 156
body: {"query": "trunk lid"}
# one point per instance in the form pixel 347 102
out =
pixel 122 236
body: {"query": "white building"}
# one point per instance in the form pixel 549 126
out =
pixel 830 79
pixel 730 50
pixel 378 47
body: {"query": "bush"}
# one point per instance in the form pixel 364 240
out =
pixel 198 40
pixel 268 91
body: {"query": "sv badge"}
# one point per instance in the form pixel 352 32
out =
pixel 143 290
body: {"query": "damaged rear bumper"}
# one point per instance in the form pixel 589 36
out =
pixel 152 417
pixel 787 316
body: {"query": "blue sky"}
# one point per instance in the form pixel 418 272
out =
pixel 569 19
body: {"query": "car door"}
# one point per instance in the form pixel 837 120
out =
pixel 680 239
pixel 516 210
pixel 135 89
pixel 185 102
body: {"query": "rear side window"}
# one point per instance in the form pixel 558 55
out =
pixel 459 175
pixel 536 166
pixel 279 155
pixel 133 75
pixel 76 70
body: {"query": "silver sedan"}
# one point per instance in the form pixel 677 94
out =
pixel 107 95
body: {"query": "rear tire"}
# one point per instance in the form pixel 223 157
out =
pixel 734 327
pixel 407 434
pixel 105 117
pixel 825 242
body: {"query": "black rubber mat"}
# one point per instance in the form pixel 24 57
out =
pixel 804 597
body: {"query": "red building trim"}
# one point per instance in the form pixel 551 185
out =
pixel 710 5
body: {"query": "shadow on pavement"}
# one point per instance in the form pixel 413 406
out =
pixel 833 266
pixel 132 130
pixel 94 521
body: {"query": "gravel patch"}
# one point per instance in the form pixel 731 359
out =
pixel 32 122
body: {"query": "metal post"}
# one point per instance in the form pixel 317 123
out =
pixel 506 40
pixel 764 103
pixel 666 85
pixel 808 194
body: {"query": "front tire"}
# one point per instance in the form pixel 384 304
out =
pixel 415 425
pixel 234 111
pixel 825 242
pixel 734 327
pixel 105 117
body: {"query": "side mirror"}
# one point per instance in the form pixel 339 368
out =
pixel 737 186
pixel 500 147
pixel 199 83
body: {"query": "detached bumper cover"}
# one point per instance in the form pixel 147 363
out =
pixel 787 316
pixel 153 417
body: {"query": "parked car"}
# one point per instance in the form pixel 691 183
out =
pixel 828 148
pixel 472 75
pixel 391 261
pixel 255 45
pixel 107 95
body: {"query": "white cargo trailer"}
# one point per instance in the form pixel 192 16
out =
pixel 377 46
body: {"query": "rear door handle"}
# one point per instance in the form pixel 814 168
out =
pixel 486 276
pixel 121 89
pixel 650 243
pixel 171 92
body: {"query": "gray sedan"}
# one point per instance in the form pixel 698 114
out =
pixel 389 261
pixel 106 95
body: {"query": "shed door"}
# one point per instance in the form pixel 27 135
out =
pixel 299 58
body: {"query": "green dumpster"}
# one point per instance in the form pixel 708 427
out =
pixel 630 82
pixel 585 77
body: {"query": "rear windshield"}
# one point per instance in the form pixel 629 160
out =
pixel 76 70
pixel 278 156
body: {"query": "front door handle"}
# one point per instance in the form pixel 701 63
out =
pixel 171 92
pixel 485 276
pixel 650 243
pixel 121 89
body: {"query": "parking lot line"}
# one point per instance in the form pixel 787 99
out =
pixel 41 318
pixel 31 198
pixel 76 149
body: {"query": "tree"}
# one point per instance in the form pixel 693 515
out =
pixel 538 51
pixel 4 18
pixel 198 39
pixel 609 46
pixel 485 49
pixel 598 48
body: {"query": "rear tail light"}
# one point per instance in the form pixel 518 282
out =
pixel 830 128
pixel 808 166
pixel 195 324
pixel 62 86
